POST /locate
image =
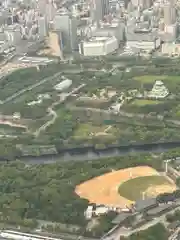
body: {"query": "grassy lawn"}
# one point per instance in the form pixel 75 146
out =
pixel 149 78
pixel 87 130
pixel 153 78
pixel 143 102
pixel 133 188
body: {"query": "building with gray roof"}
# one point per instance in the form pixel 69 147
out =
pixel 142 38
pixel 121 218
pixel 116 29
pixel 144 205
pixel 159 209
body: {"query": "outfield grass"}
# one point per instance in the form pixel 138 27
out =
pixel 133 188
pixel 143 102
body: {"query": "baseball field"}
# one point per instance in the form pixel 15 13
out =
pixel 123 187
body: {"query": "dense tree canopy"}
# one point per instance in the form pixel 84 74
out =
pixel 47 191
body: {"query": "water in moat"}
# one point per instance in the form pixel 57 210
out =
pixel 90 153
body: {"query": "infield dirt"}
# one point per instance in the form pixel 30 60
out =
pixel 104 189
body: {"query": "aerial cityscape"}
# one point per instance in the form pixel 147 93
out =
pixel 90 28
pixel 89 119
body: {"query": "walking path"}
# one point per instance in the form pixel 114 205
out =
pixel 53 113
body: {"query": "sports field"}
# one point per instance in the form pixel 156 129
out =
pixel 148 186
pixel 106 189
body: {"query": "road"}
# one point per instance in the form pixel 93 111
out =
pixel 127 232
pixel 53 113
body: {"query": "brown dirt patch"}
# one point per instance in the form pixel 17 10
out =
pixel 153 191
pixel 104 189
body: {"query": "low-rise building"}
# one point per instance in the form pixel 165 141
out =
pixel 171 49
pixel 145 41
pixel 89 212
pixel 159 210
pixel 145 205
pixel 121 218
pixel 98 46
pixel 63 85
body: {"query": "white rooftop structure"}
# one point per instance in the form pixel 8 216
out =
pixel 89 212
pixel 101 210
pixel 98 46
pixel 159 90
pixel 63 85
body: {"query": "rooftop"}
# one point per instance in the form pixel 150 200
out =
pixel 140 36
pixel 158 209
pixel 100 39
pixel 120 218
pixel 143 204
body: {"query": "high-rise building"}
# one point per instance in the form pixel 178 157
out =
pixel 143 4
pixel 42 27
pixel 100 8
pixel 67 25
pixel 169 14
pixel 42 7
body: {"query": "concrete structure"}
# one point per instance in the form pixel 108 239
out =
pixel 13 34
pixel 146 41
pixel 159 210
pixel 42 27
pixel 172 30
pixel 169 13
pixel 67 25
pixel 115 28
pixel 98 46
pixel 145 205
pixel 171 49
pixel 100 9
pixel 63 85
pixel 101 210
pixel 143 4
pixel 121 217
pixel 135 3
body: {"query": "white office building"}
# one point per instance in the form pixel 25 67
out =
pixel 98 46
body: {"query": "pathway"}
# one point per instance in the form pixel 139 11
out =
pixel 53 113
pixel 120 231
